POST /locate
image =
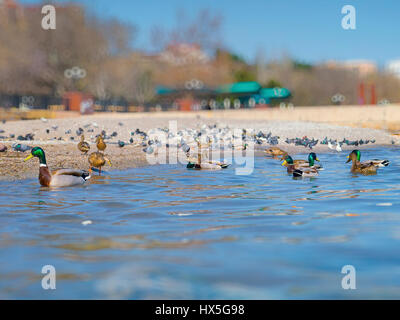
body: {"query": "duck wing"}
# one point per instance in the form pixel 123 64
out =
pixel 72 172
pixel 379 163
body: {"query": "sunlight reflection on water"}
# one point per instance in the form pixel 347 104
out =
pixel 167 232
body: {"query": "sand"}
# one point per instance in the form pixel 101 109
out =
pixel 64 152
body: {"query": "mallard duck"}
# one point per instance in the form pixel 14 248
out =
pixel 101 145
pixel 198 163
pixel 98 160
pixel 83 146
pixel 309 163
pixel 58 178
pixel 297 170
pixel 376 162
pixel 305 172
pixel 208 165
pixel 298 164
pixel 240 147
pixel 275 152
pixel 358 167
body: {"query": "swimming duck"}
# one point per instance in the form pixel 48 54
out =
pixel 98 160
pixel 83 146
pixel 101 145
pixel 358 167
pixel 297 170
pixel 58 178
pixel 305 172
pixel 275 152
pixel 199 163
pixel 376 162
pixel 310 163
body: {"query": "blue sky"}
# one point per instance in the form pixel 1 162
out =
pixel 309 30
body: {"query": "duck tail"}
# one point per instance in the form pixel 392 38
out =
pixel 385 163
pixel 297 173
pixel 86 175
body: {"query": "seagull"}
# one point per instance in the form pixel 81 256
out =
pixel 330 146
pixel 338 148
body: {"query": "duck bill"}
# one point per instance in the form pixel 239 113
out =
pixel 348 159
pixel 28 157
pixel 317 159
pixel 284 163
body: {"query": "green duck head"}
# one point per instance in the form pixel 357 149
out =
pixel 288 161
pixel 355 155
pixel 38 153
pixel 311 158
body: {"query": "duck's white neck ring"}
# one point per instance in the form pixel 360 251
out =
pixel 43 165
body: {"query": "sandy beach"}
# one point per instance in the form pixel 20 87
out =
pixel 59 137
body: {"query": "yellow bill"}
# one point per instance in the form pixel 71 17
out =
pixel 284 163
pixel 28 157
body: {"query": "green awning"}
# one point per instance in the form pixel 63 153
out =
pixel 240 87
pixel 275 93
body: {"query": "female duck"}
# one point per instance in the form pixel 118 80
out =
pixel 97 160
pixel 101 145
pixel 58 178
pixel 275 152
pixel 83 146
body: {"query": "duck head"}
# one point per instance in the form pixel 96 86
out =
pixel 355 155
pixel 288 161
pixel 38 153
pixel 311 158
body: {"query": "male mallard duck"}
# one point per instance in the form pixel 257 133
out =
pixel 83 146
pixel 208 165
pixel 101 145
pixel 305 172
pixel 358 167
pixel 275 152
pixel 240 147
pixel 58 178
pixel 376 162
pixel 98 160
pixel 297 169
pixel 310 163
pixel 199 163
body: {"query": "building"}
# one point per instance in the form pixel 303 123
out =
pixel 393 67
pixel 362 67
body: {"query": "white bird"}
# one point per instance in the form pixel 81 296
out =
pixel 330 146
pixel 338 148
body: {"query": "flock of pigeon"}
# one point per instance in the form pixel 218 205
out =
pixel 216 136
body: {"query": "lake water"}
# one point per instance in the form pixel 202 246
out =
pixel 168 232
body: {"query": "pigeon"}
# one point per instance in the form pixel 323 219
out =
pixel 21 147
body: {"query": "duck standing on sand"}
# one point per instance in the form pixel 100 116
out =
pixel 58 178
pixel 365 168
pixel 98 160
pixel 101 145
pixel 83 146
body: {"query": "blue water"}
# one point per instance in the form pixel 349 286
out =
pixel 169 232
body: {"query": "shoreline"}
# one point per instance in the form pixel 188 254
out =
pixel 62 152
